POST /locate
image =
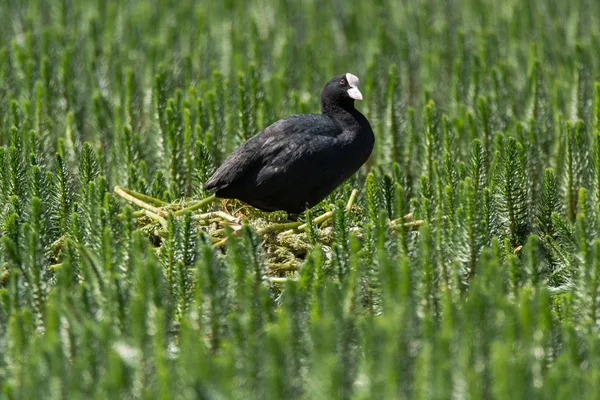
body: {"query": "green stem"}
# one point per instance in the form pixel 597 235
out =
pixel 196 206
pixel 148 199
pixel 278 227
pixel 156 217
pixel 351 200
pixel 140 203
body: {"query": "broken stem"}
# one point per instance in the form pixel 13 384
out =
pixel 407 217
pixel 276 279
pixel 196 206
pixel 278 227
pixel 351 200
pixel 221 242
pixel 138 213
pixel 148 199
pixel 156 217
pixel 220 214
pixel 414 224
pixel 138 202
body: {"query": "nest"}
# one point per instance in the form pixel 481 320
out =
pixel 285 243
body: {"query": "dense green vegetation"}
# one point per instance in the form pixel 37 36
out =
pixel 467 267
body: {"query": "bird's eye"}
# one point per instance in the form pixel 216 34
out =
pixel 343 82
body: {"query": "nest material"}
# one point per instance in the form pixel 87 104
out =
pixel 285 243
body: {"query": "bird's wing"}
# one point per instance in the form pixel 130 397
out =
pixel 254 160
pixel 298 156
pixel 299 143
pixel 240 162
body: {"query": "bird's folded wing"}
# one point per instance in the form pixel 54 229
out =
pixel 243 161
pixel 273 150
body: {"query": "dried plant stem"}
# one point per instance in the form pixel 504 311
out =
pixel 138 214
pixel 148 199
pixel 276 279
pixel 413 224
pixel 138 202
pixel 397 221
pixel 156 217
pixel 218 214
pixel 221 242
pixel 351 200
pixel 278 227
pixel 197 205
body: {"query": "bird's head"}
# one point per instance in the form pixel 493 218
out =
pixel 342 90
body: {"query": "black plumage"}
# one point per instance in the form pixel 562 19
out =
pixel 296 162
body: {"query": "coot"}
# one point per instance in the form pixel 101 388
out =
pixel 295 163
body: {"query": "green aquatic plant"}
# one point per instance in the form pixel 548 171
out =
pixel 463 259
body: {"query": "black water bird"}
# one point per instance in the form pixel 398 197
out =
pixel 295 163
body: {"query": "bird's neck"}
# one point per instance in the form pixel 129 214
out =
pixel 343 112
pixel 356 128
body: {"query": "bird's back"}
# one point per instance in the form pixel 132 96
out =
pixel 276 161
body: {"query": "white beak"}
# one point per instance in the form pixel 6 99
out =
pixel 353 92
